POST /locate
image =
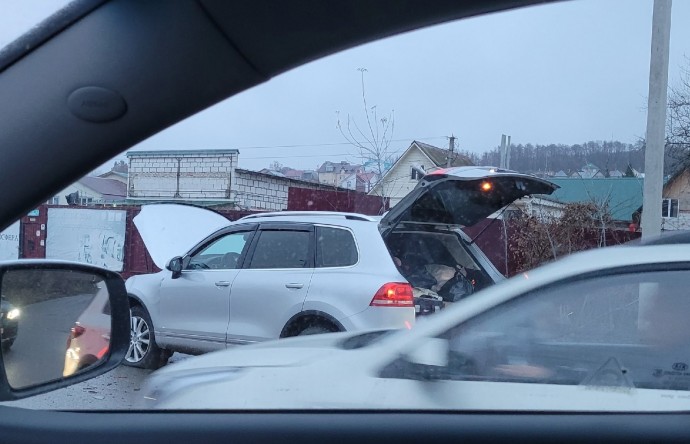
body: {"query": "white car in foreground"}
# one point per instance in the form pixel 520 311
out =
pixel 600 330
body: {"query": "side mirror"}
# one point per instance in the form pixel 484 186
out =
pixel 60 323
pixel 175 265
pixel 429 351
pixel 424 360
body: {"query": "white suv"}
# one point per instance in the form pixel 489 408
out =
pixel 276 275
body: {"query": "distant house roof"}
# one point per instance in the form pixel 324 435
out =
pixel 440 156
pixel 615 173
pixel 588 173
pixel 110 189
pixel 560 173
pixel 272 172
pixel 116 173
pixel 623 195
pixel 339 166
pixel 293 174
pixel 367 177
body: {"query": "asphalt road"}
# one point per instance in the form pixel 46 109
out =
pixel 38 353
pixel 120 389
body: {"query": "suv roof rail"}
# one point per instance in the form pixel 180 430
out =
pixel 351 216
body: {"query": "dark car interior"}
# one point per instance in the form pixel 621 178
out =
pixel 421 248
pixel 160 62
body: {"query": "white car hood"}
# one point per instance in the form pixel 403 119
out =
pixel 170 230
pixel 282 352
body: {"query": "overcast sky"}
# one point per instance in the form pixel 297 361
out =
pixel 563 73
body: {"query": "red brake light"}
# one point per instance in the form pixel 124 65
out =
pixel 77 331
pixel 394 294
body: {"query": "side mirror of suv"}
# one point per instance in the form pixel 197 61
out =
pixel 62 323
pixel 175 265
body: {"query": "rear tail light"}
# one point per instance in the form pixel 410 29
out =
pixel 77 331
pixel 394 294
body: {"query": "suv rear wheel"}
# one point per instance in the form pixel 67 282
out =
pixel 317 329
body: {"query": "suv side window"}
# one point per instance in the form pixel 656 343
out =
pixel 335 247
pixel 222 254
pixel 281 249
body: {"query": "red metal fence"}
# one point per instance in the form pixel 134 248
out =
pixel 304 199
pixel 35 228
pixel 494 239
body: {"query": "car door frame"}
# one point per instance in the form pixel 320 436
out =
pixel 194 343
pixel 310 265
pixel 282 226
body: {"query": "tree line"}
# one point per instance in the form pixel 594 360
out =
pixel 552 158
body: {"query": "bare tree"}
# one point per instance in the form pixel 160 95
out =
pixel 372 138
pixel 538 240
pixel 678 122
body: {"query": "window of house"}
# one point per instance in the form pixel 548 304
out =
pixel 54 201
pixel 415 174
pixel 669 208
pixel 281 249
pixel 335 247
pixel 85 201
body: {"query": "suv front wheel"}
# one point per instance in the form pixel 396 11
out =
pixel 143 351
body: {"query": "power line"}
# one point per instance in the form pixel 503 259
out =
pixel 291 157
pixel 321 145
pixel 317 155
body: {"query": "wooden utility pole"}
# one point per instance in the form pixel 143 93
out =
pixel 451 150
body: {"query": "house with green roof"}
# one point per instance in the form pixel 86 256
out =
pixel 622 196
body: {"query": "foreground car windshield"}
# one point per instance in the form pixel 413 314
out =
pixel 448 219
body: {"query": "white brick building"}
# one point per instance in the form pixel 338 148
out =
pixel 208 176
pixel 201 175
pixel 263 191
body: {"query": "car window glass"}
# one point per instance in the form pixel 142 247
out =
pixel 281 249
pixel 19 17
pixel 558 91
pixel 628 331
pixel 335 247
pixel 222 254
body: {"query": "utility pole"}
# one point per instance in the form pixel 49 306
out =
pixel 656 119
pixel 505 152
pixel 502 153
pixel 451 149
pixel 654 153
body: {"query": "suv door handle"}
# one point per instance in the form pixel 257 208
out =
pixel 294 286
pixel 223 284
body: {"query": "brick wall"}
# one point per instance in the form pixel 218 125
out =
pixel 259 191
pixel 202 175
pixel 682 222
